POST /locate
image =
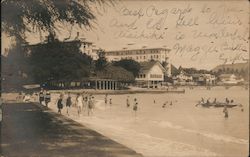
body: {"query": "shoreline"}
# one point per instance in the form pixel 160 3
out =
pixel 171 89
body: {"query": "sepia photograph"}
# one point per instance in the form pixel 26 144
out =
pixel 124 78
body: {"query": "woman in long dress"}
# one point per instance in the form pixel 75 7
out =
pixel 90 105
pixel 79 103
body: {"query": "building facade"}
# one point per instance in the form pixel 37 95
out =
pixel 142 55
pixel 230 79
pixel 83 45
pixel 151 74
pixel 204 79
pixel 183 79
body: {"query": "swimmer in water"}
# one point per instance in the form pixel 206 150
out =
pixel 225 111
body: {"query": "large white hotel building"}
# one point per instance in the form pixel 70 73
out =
pixel 142 55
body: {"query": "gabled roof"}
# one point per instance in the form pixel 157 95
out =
pixel 146 66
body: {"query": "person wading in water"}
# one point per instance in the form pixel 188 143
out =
pixel 135 107
pixel 128 103
pixel 106 100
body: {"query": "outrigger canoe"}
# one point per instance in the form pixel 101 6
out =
pixel 218 104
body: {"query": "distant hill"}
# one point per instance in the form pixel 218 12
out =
pixel 240 69
pixel 232 67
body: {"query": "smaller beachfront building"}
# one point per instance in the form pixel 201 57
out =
pixel 151 75
pixel 204 79
pixel 230 79
pixel 183 78
pixel 87 83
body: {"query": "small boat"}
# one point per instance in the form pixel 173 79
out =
pixel 218 104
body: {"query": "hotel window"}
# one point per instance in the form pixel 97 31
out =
pixel 144 75
pixel 137 57
pixel 144 57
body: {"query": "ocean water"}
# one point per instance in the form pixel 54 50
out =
pixel 178 130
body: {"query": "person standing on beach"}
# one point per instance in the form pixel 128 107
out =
pixel 60 104
pixel 128 103
pixel 79 104
pixel 135 107
pixel 85 101
pixel 84 106
pixel 90 105
pixel 68 103
pixel 47 98
pixel 41 96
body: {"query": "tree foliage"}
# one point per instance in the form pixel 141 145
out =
pixel 19 16
pixel 57 61
pixel 129 64
pixel 101 62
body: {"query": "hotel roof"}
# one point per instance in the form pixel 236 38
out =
pixel 138 49
pixel 146 66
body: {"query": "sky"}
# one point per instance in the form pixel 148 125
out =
pixel 200 34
